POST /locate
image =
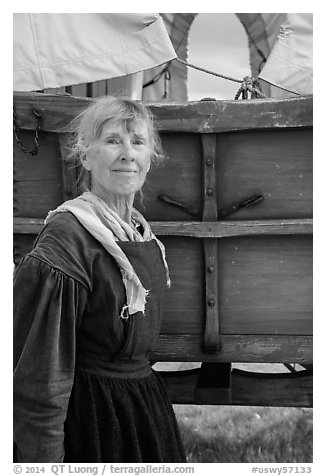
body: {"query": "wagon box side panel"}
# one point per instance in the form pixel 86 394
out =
pixel 246 277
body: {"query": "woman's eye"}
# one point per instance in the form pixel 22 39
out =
pixel 138 142
pixel 112 141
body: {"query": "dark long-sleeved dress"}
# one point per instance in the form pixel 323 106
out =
pixel 84 390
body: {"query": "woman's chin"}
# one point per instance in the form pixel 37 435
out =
pixel 126 191
pixel 128 188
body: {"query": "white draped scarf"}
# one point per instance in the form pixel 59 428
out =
pixel 108 228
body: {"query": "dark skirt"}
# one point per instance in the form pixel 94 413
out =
pixel 121 420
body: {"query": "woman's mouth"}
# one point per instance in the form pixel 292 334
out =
pixel 125 171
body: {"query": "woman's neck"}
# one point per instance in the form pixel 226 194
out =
pixel 121 204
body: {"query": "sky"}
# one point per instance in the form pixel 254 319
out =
pixel 218 42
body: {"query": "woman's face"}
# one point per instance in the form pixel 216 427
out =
pixel 120 159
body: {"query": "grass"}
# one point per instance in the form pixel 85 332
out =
pixel 234 434
pixel 223 434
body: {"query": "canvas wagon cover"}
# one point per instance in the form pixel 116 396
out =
pixel 54 49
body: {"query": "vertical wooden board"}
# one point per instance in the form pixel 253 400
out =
pixel 209 183
pixel 211 340
pixel 265 285
pixel 178 177
pixel 99 88
pixel 117 86
pixel 185 301
pixel 275 163
pixel 79 90
pixel 211 334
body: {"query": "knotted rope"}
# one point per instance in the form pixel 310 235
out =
pixel 248 84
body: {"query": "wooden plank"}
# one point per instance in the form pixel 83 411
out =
pixel 266 285
pixel 79 90
pixel 99 88
pixel 209 183
pixel 40 196
pixel 289 390
pixel 184 304
pixel 56 110
pixel 220 116
pixel 235 348
pixel 277 164
pixel 285 390
pixel 211 339
pixel 223 229
pixel 28 226
pixel 90 90
pixel 202 117
pixel 208 229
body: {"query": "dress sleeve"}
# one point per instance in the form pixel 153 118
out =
pixel 48 305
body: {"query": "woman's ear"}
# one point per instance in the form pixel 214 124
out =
pixel 85 162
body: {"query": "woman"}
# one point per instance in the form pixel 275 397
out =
pixel 87 309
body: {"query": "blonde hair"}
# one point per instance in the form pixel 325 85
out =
pixel 88 125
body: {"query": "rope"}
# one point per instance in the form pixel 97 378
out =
pixel 247 83
pixel 208 71
pixel 157 76
pixel 33 151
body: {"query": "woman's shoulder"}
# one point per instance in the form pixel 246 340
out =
pixel 64 231
pixel 63 222
pixel 66 245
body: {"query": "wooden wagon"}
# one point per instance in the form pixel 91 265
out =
pixel 241 275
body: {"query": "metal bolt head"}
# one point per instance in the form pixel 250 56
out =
pixel 210 269
pixel 209 162
pixel 210 192
pixel 211 302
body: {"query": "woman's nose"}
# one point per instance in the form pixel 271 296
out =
pixel 127 153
